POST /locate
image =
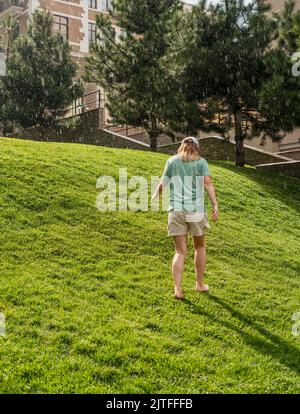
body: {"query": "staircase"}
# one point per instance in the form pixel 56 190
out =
pixel 291 150
pixel 95 100
pixel 127 131
pixel 137 133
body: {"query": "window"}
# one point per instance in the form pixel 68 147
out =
pixel 119 32
pixel 61 25
pixel 103 37
pixel 105 5
pixel 92 34
pixel 93 4
pixel 95 35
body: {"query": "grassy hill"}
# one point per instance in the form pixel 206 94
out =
pixel 88 296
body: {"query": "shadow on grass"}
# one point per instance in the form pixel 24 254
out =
pixel 279 187
pixel 271 345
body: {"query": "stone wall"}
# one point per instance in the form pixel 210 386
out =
pixel 290 168
pixel 294 154
pixel 216 148
pixel 73 126
pixel 86 131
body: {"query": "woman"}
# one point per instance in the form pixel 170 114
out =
pixel 188 176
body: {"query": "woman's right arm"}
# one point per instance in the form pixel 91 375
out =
pixel 157 191
pixel 163 182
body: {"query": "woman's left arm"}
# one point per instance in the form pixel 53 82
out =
pixel 210 189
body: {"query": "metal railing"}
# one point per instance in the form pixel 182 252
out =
pixel 124 129
pixel 96 100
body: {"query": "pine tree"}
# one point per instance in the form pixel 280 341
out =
pixel 289 27
pixel 132 67
pixel 235 75
pixel 40 71
pixel 8 37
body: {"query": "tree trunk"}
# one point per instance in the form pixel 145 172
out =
pixel 153 141
pixel 239 139
pixel 239 153
pixel 153 132
pixel 8 44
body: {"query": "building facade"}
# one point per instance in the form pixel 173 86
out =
pixel 76 20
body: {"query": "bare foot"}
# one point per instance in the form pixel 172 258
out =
pixel 178 293
pixel 202 287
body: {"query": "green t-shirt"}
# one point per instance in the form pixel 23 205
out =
pixel 186 183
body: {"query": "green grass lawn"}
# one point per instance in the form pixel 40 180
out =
pixel 88 296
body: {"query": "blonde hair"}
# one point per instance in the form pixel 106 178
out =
pixel 189 150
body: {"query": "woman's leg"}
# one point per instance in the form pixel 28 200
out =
pixel 178 263
pixel 200 261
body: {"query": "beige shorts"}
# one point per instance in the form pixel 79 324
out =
pixel 177 226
